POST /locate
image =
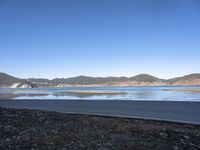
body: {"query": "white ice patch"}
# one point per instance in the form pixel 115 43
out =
pixel 15 85
pixel 25 86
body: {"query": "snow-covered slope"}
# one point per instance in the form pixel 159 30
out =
pixel 8 81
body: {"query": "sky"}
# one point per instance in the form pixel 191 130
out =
pixel 65 38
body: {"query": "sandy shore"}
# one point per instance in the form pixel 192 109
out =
pixel 187 112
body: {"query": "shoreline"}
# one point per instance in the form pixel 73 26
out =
pixel 99 86
pixel 183 112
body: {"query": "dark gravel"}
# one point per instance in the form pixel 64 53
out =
pixel 30 129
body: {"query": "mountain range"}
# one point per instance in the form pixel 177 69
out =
pixel 138 80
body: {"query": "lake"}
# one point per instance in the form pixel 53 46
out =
pixel 162 93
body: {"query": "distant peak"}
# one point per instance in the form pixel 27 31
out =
pixel 144 75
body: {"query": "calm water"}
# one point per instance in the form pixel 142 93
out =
pixel 184 93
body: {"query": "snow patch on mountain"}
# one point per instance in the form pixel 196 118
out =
pixel 15 85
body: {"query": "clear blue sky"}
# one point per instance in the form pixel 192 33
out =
pixel 64 38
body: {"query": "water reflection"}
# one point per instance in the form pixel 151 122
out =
pixel 144 95
pixel 106 93
pixel 13 95
pixel 185 90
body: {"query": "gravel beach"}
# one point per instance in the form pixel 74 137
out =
pixel 33 129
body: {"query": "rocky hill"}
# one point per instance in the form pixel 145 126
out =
pixel 13 82
pixel 192 79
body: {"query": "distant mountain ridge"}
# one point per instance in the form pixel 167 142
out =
pixel 138 80
pixel 86 80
